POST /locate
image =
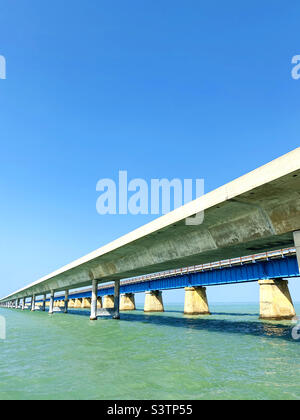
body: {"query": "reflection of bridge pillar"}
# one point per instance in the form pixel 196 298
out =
pixel 275 300
pixel 153 301
pixel 127 302
pixel 108 302
pixel 196 301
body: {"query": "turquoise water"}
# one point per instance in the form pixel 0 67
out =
pixel 229 355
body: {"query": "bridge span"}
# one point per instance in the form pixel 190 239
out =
pixel 274 265
pixel 258 212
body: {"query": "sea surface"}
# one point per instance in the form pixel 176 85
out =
pixel 228 355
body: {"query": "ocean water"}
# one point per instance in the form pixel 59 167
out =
pixel 228 355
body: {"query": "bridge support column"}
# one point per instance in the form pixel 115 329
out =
pixel 127 302
pixel 44 303
pixel 108 302
pixel 33 303
pixel 23 304
pixel 66 301
pixel 117 300
pixel 153 301
pixel 275 300
pixel 93 315
pixel 297 245
pixel 196 301
pixel 51 304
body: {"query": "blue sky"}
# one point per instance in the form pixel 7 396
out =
pixel 161 89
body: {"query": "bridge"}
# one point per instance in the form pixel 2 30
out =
pixel 270 265
pixel 259 211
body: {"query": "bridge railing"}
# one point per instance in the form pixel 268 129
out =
pixel 203 267
pixel 209 266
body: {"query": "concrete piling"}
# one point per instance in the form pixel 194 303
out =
pixel 117 300
pixel 108 302
pixel 127 302
pixel 275 300
pixel 51 304
pixel 33 303
pixel 66 301
pixel 93 315
pixel 196 301
pixel 153 301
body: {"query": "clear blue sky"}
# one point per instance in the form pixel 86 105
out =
pixel 194 89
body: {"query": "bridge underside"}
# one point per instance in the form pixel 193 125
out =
pixel 255 213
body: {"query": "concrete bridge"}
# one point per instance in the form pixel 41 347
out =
pixel 258 212
pixel 271 267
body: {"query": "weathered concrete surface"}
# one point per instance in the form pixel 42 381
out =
pixel 33 304
pixel 297 245
pixel 153 301
pixel 117 300
pixel 78 303
pixel 256 212
pixel 86 303
pixel 108 302
pixel 93 315
pixel 275 300
pixel 195 302
pixel 51 303
pixel 66 302
pixel 127 302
